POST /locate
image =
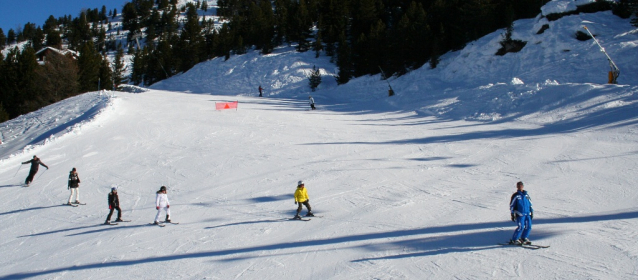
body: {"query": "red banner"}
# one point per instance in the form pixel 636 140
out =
pixel 226 105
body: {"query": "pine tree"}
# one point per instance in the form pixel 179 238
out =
pixel 300 25
pixel 119 67
pixel 3 39
pixel 57 79
pixel 11 36
pixel 344 60
pixel 89 67
pixel 139 66
pixel 105 77
pixel 191 40
pixel 4 115
pixel 314 78
pixel 26 66
pixel 205 6
pixel 281 21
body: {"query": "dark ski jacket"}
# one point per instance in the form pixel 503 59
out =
pixel 74 180
pixel 521 204
pixel 35 164
pixel 114 200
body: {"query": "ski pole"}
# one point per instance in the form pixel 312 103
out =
pixel 42 173
pixel 18 170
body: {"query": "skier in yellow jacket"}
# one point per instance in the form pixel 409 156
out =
pixel 301 198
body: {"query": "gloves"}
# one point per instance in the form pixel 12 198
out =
pixel 513 217
pixel 295 202
pixel 157 207
pixel 109 207
pixel 168 206
pixel 531 215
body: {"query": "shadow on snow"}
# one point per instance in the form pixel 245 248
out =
pixel 460 242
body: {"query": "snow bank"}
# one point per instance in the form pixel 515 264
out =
pixel 29 133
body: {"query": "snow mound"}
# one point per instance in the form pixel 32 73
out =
pixel 29 133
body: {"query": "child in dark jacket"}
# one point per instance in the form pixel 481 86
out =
pixel 114 204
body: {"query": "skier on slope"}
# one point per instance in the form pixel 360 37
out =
pixel 114 204
pixel 301 198
pixel 35 164
pixel 73 186
pixel 312 102
pixel 162 203
pixel 522 213
pixel 260 91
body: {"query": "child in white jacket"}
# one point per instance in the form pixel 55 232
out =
pixel 161 203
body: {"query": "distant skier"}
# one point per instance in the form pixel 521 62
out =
pixel 162 203
pixel 301 198
pixel 73 186
pixel 522 213
pixel 260 91
pixel 35 164
pixel 312 102
pixel 114 204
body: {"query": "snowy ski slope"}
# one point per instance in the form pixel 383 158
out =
pixel 414 186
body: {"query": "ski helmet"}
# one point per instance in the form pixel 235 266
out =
pixel 299 183
pixel 114 189
pixel 163 188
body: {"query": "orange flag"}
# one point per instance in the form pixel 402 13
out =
pixel 226 105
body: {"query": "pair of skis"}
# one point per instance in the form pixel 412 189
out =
pixel 73 204
pixel 163 224
pixel 526 246
pixel 305 219
pixel 115 224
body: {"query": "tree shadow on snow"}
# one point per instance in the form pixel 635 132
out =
pixel 29 209
pixel 447 243
pixel 614 116
pixel 247 223
pixel 106 228
pixel 263 199
pixel 438 245
pixel 13 185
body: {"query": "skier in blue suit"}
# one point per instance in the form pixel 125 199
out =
pixel 522 213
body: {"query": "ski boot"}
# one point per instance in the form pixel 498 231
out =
pixel 77 202
pixel 107 222
pixel 310 214
pixel 119 220
pixel 297 217
pixel 525 241
pixel 168 219
pixel 515 242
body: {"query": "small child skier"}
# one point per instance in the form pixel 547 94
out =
pixel 114 204
pixel 301 198
pixel 311 101
pixel 74 186
pixel 522 214
pixel 162 203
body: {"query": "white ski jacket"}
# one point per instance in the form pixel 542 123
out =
pixel 161 200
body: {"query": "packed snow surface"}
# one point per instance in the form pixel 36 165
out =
pixel 414 186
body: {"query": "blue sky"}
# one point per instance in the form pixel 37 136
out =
pixel 15 14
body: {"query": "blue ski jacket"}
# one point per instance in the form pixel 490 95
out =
pixel 521 204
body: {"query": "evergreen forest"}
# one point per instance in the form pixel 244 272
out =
pixel 362 37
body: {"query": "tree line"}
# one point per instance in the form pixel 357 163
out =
pixel 361 37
